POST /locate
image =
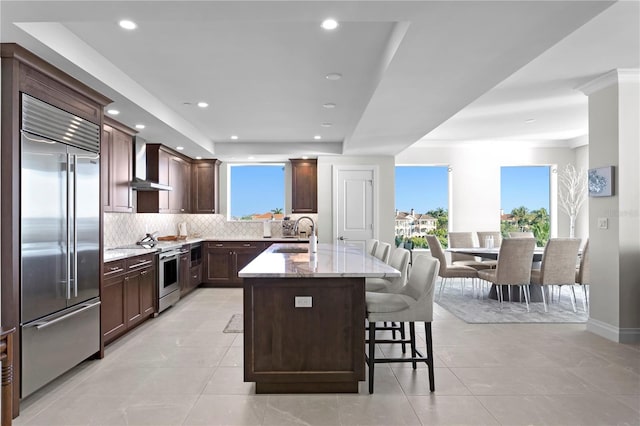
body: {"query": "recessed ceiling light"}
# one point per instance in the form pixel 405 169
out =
pixel 317 137
pixel 179 148
pixel 198 158
pixel 140 126
pixel 329 24
pixel 530 120
pixel 113 111
pixel 326 124
pixel 234 137
pixel 329 105
pixel 305 157
pixel 203 104
pixel 128 25
pixel 251 158
pixel 333 76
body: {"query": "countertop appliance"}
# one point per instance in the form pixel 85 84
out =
pixel 60 230
pixel 168 275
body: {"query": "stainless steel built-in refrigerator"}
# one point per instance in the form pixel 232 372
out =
pixel 59 228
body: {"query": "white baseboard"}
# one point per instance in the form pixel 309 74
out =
pixel 613 333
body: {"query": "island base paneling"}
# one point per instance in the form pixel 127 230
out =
pixel 313 349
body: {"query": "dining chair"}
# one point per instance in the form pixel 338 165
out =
pixel 461 240
pixel 496 235
pixel 497 241
pixel 583 274
pixel 413 303
pixel 370 246
pixel 523 234
pixel 514 266
pixel 558 266
pixel 446 271
pixel 382 251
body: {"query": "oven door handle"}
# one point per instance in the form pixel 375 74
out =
pixel 169 256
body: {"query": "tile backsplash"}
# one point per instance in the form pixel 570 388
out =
pixel 126 228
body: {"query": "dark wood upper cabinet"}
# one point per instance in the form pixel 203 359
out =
pixel 304 179
pixel 170 168
pixel 179 179
pixel 116 151
pixel 204 186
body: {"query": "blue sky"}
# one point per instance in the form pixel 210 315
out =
pixel 524 186
pixel 425 188
pixel 421 188
pixel 256 189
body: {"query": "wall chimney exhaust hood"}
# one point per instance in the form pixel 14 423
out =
pixel 140 182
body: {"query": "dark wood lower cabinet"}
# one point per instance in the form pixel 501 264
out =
pixel 299 349
pixel 223 260
pixel 113 321
pixel 128 294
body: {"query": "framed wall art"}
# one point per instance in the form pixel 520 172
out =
pixel 601 182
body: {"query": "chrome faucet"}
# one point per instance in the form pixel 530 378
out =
pixel 295 226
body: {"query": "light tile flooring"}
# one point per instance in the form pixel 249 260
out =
pixel 181 369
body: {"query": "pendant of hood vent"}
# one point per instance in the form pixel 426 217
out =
pixel 138 184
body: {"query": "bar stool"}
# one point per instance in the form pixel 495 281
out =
pixel 413 303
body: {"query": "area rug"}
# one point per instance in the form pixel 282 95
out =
pixel 487 311
pixel 235 324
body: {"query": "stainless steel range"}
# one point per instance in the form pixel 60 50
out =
pixel 168 275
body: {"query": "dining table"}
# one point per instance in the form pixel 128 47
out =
pixel 492 253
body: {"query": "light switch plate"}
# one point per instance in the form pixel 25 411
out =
pixel 303 302
pixel 603 223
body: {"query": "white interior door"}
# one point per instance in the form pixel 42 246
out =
pixel 354 195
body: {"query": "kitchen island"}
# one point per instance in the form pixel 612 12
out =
pixel 304 317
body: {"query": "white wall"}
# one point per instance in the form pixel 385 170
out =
pixel 386 193
pixel 582 162
pixel 475 179
pixel 614 132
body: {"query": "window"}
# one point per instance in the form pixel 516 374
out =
pixel 422 194
pixel 524 199
pixel 256 191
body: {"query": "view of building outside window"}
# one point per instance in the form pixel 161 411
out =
pixel 256 191
pixel 421 204
pixel 524 200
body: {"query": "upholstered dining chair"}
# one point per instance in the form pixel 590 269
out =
pixel 583 274
pixel 497 238
pixel 524 234
pixel 382 251
pixel 514 266
pixel 558 266
pixel 460 240
pixel 413 303
pixel 497 241
pixel 370 246
pixel 446 271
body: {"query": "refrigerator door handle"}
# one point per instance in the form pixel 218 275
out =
pixel 69 206
pixel 75 226
pixel 45 324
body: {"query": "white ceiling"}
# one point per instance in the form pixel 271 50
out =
pixel 436 71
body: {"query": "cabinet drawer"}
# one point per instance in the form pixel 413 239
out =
pixel 235 244
pixel 140 262
pixel 114 268
pixel 195 278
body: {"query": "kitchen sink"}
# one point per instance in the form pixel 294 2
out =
pixel 291 250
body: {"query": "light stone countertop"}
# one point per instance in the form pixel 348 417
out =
pixel 115 253
pixel 332 260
